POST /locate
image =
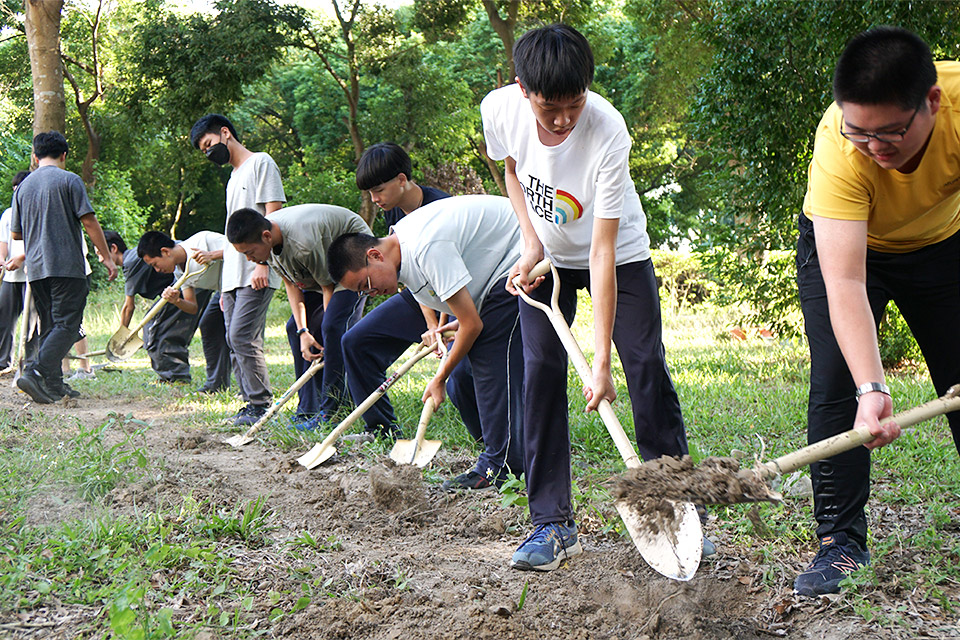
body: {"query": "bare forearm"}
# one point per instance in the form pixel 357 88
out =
pixel 855 330
pixel 95 233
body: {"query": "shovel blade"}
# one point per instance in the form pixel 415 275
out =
pixel 407 452
pixel 123 344
pixel 674 553
pixel 239 440
pixel 317 456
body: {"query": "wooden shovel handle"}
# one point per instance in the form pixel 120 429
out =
pixel 853 438
pixel 620 439
pixel 162 301
pixel 315 366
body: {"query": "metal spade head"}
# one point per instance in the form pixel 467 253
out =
pixel 123 344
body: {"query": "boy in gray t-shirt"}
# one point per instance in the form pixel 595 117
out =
pixel 294 241
pixel 49 208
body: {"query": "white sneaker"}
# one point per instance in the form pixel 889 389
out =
pixel 80 374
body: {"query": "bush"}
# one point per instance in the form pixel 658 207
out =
pixel 682 279
pixel 897 344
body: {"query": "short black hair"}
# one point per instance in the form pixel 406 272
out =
pixel 554 61
pixel 51 144
pixel 20 177
pixel 112 237
pixel 210 123
pixel 246 226
pixel 885 65
pixel 382 162
pixel 348 253
pixel 151 242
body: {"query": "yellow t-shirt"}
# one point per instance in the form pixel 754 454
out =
pixel 904 211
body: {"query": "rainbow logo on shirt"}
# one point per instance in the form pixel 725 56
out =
pixel 566 208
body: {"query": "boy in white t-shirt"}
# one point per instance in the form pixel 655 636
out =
pixel 453 255
pixel 567 152
pixel 200 293
pixel 13 282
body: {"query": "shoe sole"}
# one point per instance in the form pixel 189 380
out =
pixel 565 554
pixel 30 387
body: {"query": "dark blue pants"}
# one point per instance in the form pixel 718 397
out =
pixel 497 361
pixel 326 393
pixel 216 353
pixel 60 303
pixel 925 285
pixel 378 340
pixel 637 333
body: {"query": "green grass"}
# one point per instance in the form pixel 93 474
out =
pixel 735 395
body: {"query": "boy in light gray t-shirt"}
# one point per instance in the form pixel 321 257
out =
pixel 246 289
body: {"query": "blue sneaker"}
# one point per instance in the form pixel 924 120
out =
pixel 838 557
pixel 547 547
pixel 308 423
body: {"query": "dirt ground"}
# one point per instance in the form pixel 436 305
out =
pixel 449 552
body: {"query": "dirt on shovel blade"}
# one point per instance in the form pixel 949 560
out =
pixel 713 481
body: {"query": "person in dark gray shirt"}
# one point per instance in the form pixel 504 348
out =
pixel 48 210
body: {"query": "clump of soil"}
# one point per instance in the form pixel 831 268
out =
pixel 714 481
pixel 185 443
pixel 398 489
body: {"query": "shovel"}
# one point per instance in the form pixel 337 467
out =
pixel 948 402
pixel 126 342
pixel 673 546
pixel 418 451
pixel 247 438
pixel 24 329
pixel 325 450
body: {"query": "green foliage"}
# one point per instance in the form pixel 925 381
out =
pixel 684 282
pixel 513 492
pixel 758 104
pixel 897 344
pixel 99 467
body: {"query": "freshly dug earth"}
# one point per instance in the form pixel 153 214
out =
pixel 401 559
pixel 649 487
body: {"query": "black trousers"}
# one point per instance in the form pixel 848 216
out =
pixel 638 335
pixel 925 286
pixel 11 305
pixel 216 353
pixel 60 303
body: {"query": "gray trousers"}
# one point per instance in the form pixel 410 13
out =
pixel 245 318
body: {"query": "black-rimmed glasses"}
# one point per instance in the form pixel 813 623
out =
pixel 886 136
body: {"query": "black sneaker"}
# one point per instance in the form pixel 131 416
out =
pixel 33 384
pixel 250 414
pixel 65 390
pixel 837 558
pixel 469 480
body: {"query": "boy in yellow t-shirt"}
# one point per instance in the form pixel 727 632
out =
pixel 880 221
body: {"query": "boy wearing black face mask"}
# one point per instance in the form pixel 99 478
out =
pixel 246 289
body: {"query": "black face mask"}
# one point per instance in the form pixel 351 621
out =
pixel 218 153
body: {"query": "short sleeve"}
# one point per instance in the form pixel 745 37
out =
pixel 78 196
pixel 269 184
pixel 444 269
pixel 613 178
pixel 491 108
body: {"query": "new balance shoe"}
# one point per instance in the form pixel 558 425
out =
pixel 837 558
pixel 33 384
pixel 547 547
pixel 469 480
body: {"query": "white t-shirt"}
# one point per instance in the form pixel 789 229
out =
pixel 14 248
pixel 466 241
pixel 566 186
pixel 252 184
pixel 204 241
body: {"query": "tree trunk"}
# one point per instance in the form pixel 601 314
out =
pixel 504 28
pixel 43 42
